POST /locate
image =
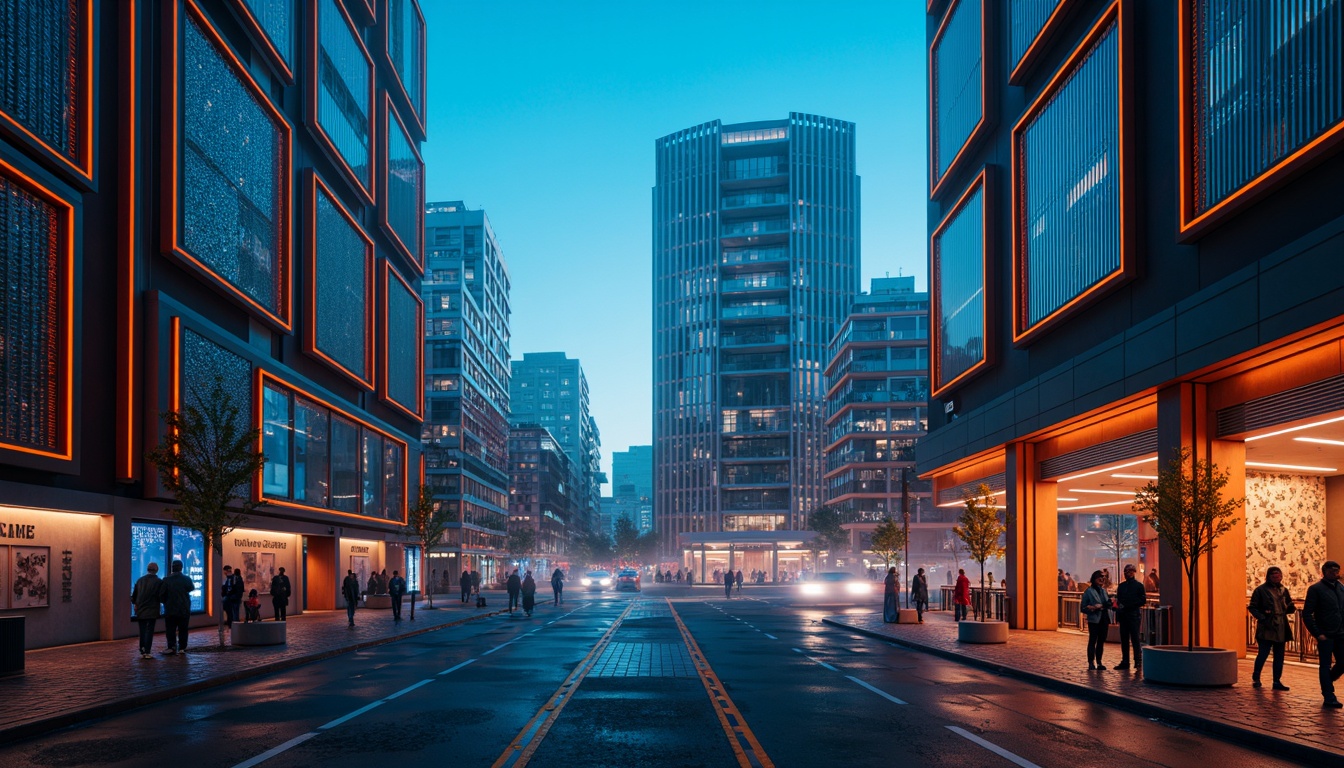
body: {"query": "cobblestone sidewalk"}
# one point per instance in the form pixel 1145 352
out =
pixel 68 684
pixel 1294 720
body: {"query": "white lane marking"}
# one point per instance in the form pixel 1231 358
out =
pixel 497 647
pixel 350 716
pixel 772 637
pixel 1000 751
pixel 268 754
pixel 409 688
pixel 451 670
pixel 815 661
pixel 881 693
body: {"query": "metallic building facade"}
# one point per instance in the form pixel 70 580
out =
pixel 756 263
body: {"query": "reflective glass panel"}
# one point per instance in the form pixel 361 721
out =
pixel 406 47
pixel 957 83
pixel 276 19
pixel 959 280
pixel 405 182
pixel 311 460
pixel 344 465
pixel 373 474
pixel 275 441
pixel 344 101
pixel 341 307
pixel 403 345
pixel 394 475
pixel 40 79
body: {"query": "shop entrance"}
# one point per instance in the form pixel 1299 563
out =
pixel 319 573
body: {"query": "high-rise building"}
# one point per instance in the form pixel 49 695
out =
pixel 188 199
pixel 550 389
pixel 540 495
pixel 878 408
pixel 632 472
pixel 1136 238
pixel 756 264
pixel 466 432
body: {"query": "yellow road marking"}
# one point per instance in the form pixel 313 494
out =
pixel 521 749
pixel 745 746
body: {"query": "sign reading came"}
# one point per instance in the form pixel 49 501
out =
pixel 17 531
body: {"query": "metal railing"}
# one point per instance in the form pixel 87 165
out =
pixel 1302 646
pixel 992 603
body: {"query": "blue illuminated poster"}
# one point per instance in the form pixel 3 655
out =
pixel 149 544
pixel 189 547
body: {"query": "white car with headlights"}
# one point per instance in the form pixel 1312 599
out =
pixel 596 581
pixel 831 587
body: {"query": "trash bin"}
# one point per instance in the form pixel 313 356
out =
pixel 11 645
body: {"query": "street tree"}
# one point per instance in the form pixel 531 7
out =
pixel 522 541
pixel 592 547
pixel 980 529
pixel 1119 537
pixel 426 522
pixel 888 540
pixel 1185 505
pixel 826 522
pixel 626 539
pixel 207 460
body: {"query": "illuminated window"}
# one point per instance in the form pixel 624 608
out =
pixel 957 87
pixel 403 189
pixel 406 49
pixel 1068 228
pixel 958 305
pixel 403 344
pixel 343 86
pixel 45 84
pixel 1262 82
pixel 273 20
pixel 342 293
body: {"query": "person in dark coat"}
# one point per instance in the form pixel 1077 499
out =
pixel 232 590
pixel 476 582
pixel 529 589
pixel 1097 607
pixel 891 605
pixel 1323 616
pixel 176 594
pixel 919 593
pixel 1271 605
pixel 558 586
pixel 350 591
pixel 515 587
pixel 728 582
pixel 464 583
pixel 1129 600
pixel 280 592
pixel 739 581
pixel 146 597
pixel 396 589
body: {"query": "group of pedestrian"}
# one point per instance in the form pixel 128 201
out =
pixel 395 589
pixel 731 580
pixel 1098 606
pixel 169 597
pixel 470 584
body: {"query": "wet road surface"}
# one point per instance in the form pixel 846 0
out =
pixel 622 680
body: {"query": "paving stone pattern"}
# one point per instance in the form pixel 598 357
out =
pixel 644 660
pixel 1295 715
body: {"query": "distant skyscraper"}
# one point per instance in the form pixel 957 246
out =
pixel 632 483
pixel 540 494
pixel 466 432
pixel 549 389
pixel 756 263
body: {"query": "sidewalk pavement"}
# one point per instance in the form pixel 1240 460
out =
pixel 1290 724
pixel 68 684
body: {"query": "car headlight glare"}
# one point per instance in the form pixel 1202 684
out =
pixel 606 582
pixel 811 589
pixel 586 582
pixel 858 588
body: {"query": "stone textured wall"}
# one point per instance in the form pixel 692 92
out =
pixel 1285 526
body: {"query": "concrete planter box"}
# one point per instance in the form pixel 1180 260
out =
pixel 1202 667
pixel 983 632
pixel 378 601
pixel 258 633
pixel 907 616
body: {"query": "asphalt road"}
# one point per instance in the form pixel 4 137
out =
pixel 633 680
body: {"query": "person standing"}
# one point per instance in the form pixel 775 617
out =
pixel 690 580
pixel 176 594
pixel 961 595
pixel 515 587
pixel 232 592
pixel 1270 605
pixel 464 583
pixel 1323 615
pixel 476 582
pixel 396 589
pixel 891 612
pixel 919 593
pixel 280 592
pixel 1150 583
pixel 1097 606
pixel 350 591
pixel 739 581
pixel 1129 600
pixel 146 597
pixel 558 586
pixel 728 586
pixel 529 588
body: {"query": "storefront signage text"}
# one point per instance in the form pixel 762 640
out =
pixel 364 550
pixel 17 531
pixel 67 576
pixel 263 544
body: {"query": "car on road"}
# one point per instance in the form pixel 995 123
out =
pixel 596 581
pixel 833 587
pixel 628 579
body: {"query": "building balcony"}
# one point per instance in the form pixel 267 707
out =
pixel 903 396
pixel 776 226
pixel 754 200
pixel 754 284
pixel 756 426
pixel 756 255
pixel 769 362
pixel 753 339
pixel 754 310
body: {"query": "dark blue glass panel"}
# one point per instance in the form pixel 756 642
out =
pixel 394 475
pixel 39 71
pixel 344 101
pixel 403 345
pixel 276 19
pixel 1026 18
pixel 959 272
pixel 341 307
pixel 405 182
pixel 405 46
pixel 957 83
pixel 203 361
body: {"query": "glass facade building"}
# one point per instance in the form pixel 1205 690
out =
pixel 540 496
pixel 756 263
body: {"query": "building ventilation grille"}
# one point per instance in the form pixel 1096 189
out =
pixel 1109 452
pixel 1303 402
pixel 997 482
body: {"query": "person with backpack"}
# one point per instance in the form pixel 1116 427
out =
pixel 146 597
pixel 396 589
pixel 350 591
pixel 176 595
pixel 558 586
pixel 529 588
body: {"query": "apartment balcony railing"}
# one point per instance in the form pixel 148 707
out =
pixel 755 310
pixel 750 506
pixel 766 227
pixel 754 199
pixel 756 426
pixel 754 363
pixel 903 396
pixel 755 255
pixel 756 478
pixel 754 171
pixel 754 453
pixel 750 283
pixel 750 339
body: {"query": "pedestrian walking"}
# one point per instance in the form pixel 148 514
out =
pixel 558 586
pixel 1150 583
pixel 350 591
pixel 280 592
pixel 146 597
pixel 1270 605
pixel 515 587
pixel 961 595
pixel 175 592
pixel 529 588
pixel 464 583
pixel 919 593
pixel 1323 615
pixel 689 578
pixel 891 611
pixel 728 587
pixel 739 581
pixel 1130 598
pixel 396 589
pixel 1097 606
pixel 476 582
pixel 232 591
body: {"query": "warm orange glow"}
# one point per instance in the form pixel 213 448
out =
pixel 126 331
pixel 415 255
pixel 366 192
pixel 281 320
pixel 419 406
pixel 310 335
pixel 1023 332
pixel 981 128
pixel 981 182
pixel 416 117
pixel 263 40
pixel 1041 41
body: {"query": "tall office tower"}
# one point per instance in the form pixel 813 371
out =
pixel 540 495
pixel 632 482
pixel 466 290
pixel 550 389
pixel 877 409
pixel 756 264
pixel 189 198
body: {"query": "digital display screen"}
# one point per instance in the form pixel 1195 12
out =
pixel 189 547
pixel 149 544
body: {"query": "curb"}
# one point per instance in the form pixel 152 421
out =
pixel 106 709
pixel 1267 743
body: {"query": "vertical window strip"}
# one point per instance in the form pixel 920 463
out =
pixel 1026 21
pixel 1269 80
pixel 340 296
pixel 40 81
pixel 957 83
pixel 1070 229
pixel 344 99
pixel 404 185
pixel 959 269
pixel 275 19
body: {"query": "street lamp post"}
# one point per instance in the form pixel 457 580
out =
pixel 905 518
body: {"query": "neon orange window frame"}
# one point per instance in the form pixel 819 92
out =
pixel 366 191
pixel 1040 42
pixel 417 115
pixel 262 38
pixel 392 279
pixel 414 251
pixel 983 184
pixel 937 182
pixel 310 343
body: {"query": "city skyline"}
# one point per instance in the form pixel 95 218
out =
pixel 585 103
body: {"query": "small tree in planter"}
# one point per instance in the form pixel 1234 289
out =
pixel 888 540
pixel 980 529
pixel 426 522
pixel 206 460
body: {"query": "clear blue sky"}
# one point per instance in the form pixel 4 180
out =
pixel 545 113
